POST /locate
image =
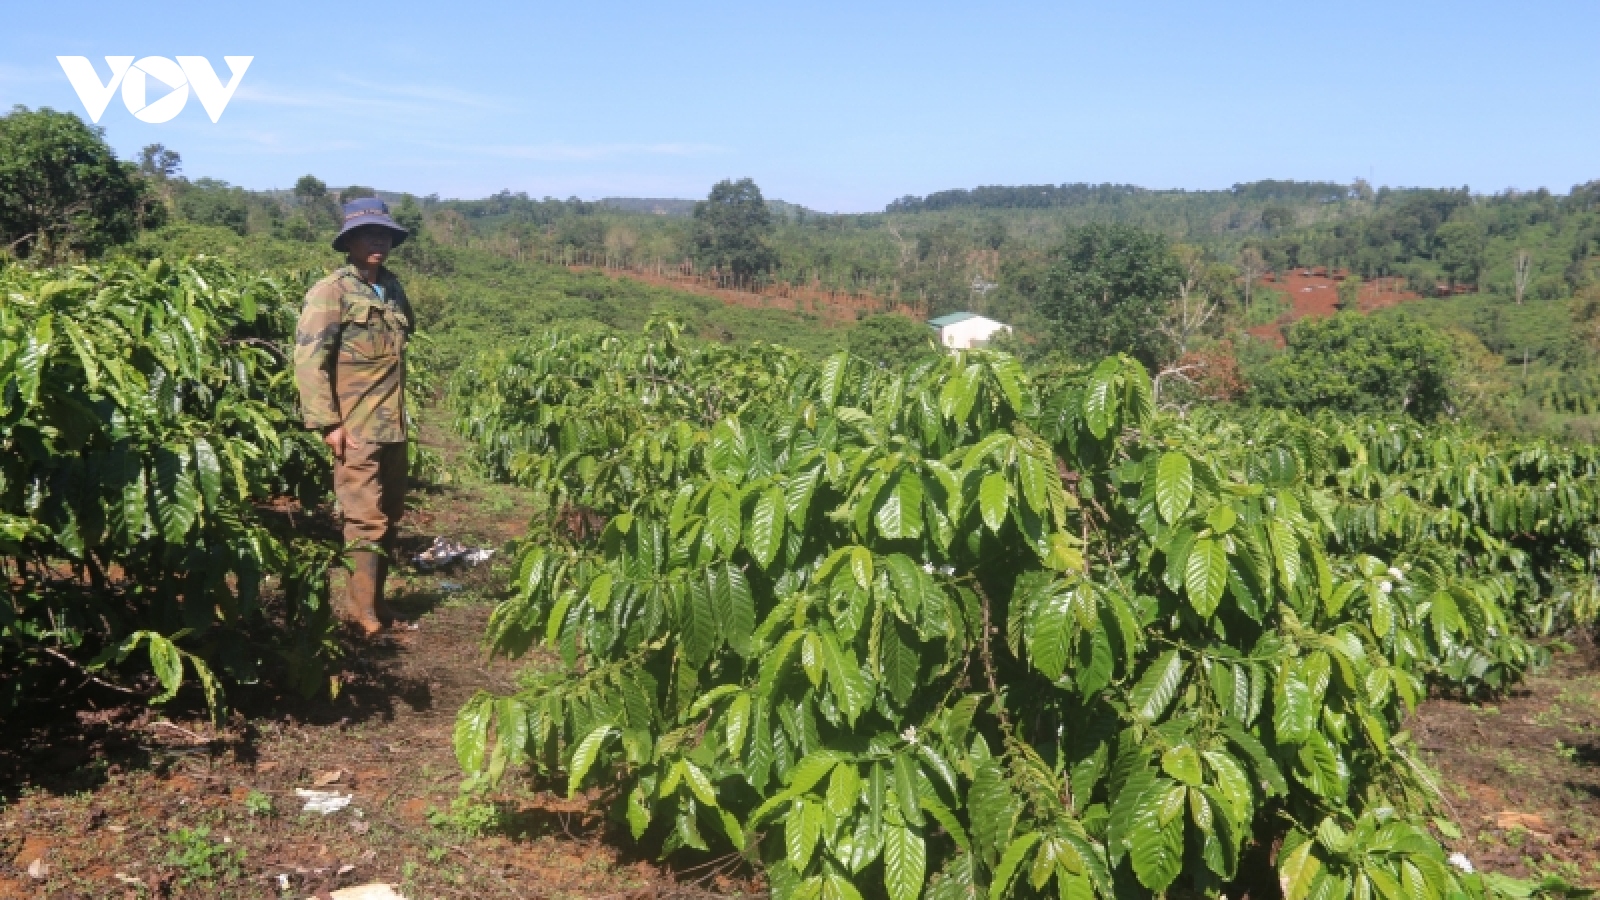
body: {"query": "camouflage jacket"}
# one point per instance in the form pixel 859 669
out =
pixel 349 356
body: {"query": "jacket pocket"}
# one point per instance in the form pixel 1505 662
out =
pixel 366 330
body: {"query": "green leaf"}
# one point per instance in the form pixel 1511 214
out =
pixel 1156 688
pixel 167 661
pixel 1297 869
pixel 209 470
pixel 904 862
pixel 1010 861
pixel 838 887
pixel 861 566
pixel 737 724
pixel 1100 399
pixel 1174 485
pixel 993 495
pixel 699 625
pixel 177 496
pixel 994 808
pixel 729 452
pixel 765 535
pixel 638 812
pixel 908 489
pixel 85 351
pixel 722 520
pixel 1183 763
pixel 850 690
pixel 905 788
pixel 890 515
pixel 1222 518
pixel 1266 771
pixel 31 362
pixel 1205 575
pixel 1321 768
pixel 831 377
pixel 802 828
pixel 844 790
pixel 812 769
pixel 1035 474
pixel 471 734
pixel 797 493
pixel 583 758
pixel 1293 710
pixel 741 624
pixel 1050 640
pixel 699 784
pixel 947 820
pixel 1156 835
pixel 135 492
pixel 899 662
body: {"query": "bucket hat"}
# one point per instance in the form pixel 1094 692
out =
pixel 363 212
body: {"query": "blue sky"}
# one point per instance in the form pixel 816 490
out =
pixel 845 106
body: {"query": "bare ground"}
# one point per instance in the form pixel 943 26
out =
pixel 1521 773
pixel 111 801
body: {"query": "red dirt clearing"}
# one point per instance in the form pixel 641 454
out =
pixel 834 308
pixel 1315 292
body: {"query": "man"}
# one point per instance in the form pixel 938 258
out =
pixel 349 363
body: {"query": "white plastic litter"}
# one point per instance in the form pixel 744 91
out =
pixel 1460 861
pixel 324 802
pixel 368 892
pixel 444 552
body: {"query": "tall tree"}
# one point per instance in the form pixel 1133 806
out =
pixel 890 339
pixel 1359 363
pixel 63 191
pixel 1251 267
pixel 731 229
pixel 158 163
pixel 1108 290
pixel 315 203
pixel 1460 250
pixel 1193 305
pixel 1522 271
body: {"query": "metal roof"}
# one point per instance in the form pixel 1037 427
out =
pixel 952 319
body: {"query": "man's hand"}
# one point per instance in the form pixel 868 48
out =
pixel 335 439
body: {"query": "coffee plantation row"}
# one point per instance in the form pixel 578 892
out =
pixel 963 628
pixel 146 411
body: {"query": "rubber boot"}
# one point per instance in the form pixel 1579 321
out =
pixel 391 557
pixel 380 606
pixel 362 593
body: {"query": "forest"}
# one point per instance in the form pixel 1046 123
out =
pixel 1156 595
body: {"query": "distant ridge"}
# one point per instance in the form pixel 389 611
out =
pixel 1046 196
pixel 667 206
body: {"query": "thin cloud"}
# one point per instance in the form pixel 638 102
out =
pixel 563 152
pixel 386 99
pixel 29 74
pixel 449 96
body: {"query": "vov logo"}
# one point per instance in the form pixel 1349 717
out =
pixel 135 78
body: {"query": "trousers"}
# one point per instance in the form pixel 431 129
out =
pixel 370 483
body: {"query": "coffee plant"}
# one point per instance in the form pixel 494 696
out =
pixel 145 411
pixel 954 629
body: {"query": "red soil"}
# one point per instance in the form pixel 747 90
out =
pixel 1313 292
pixel 833 307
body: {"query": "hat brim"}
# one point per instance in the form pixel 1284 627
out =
pixel 340 240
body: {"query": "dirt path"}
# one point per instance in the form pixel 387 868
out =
pixel 127 802
pixel 1521 773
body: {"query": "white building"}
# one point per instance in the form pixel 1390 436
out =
pixel 964 330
